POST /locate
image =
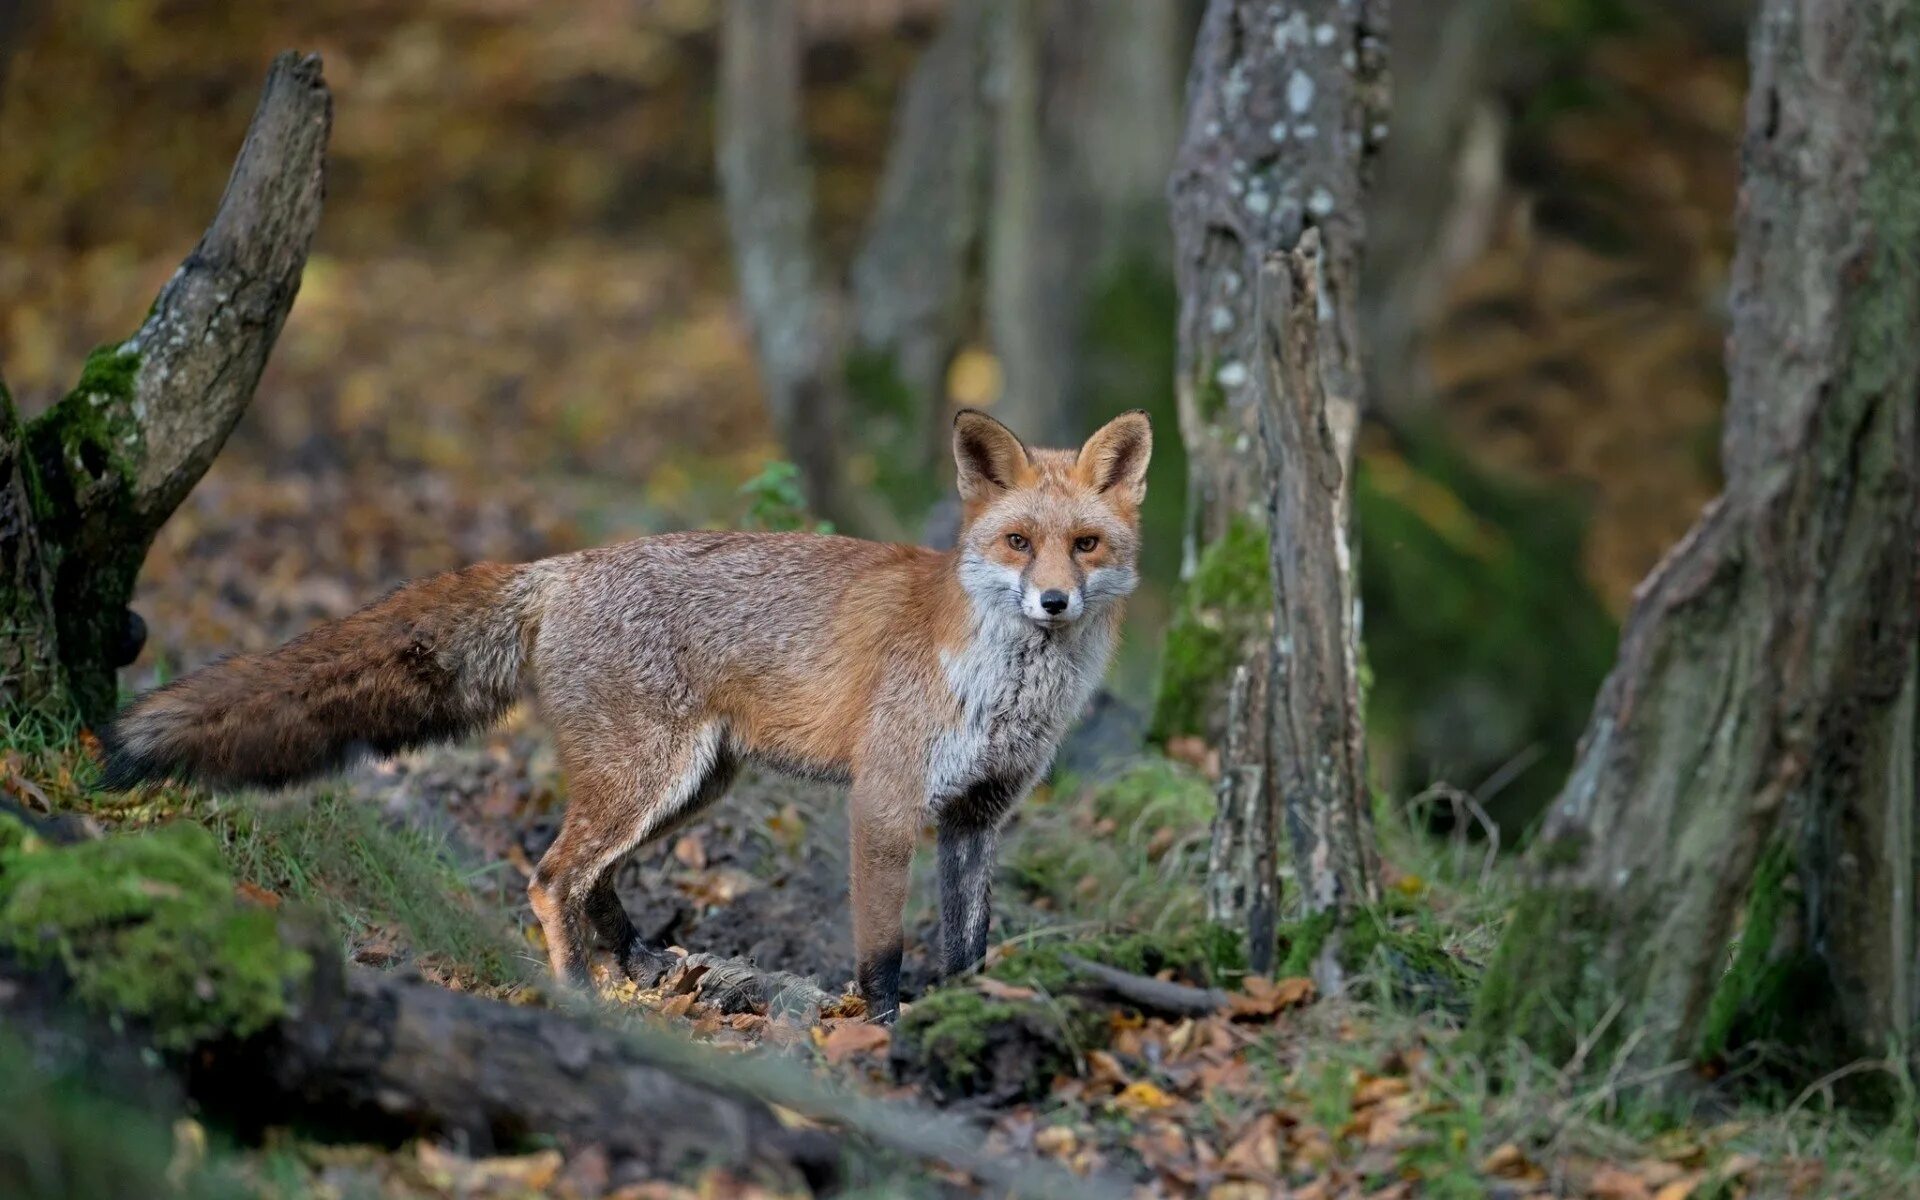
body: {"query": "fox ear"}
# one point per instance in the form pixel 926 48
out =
pixel 991 459
pixel 1115 457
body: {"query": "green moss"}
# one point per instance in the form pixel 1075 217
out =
pixel 951 1029
pixel 1224 604
pixel 83 454
pixel 1542 987
pixel 1765 995
pixel 147 928
pixel 1304 939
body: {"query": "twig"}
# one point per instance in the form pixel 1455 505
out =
pixel 1156 995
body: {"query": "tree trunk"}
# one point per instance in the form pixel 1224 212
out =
pixel 912 280
pixel 1440 177
pixel 1285 107
pixel 1085 95
pixel 1767 667
pixel 769 201
pixel 105 466
pixel 1316 737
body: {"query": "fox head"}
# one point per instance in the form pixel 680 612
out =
pixel 1052 536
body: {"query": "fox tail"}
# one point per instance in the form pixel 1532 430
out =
pixel 436 658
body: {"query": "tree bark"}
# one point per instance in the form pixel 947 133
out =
pixel 768 192
pixel 106 465
pixel 1316 737
pixel 30 672
pixel 1286 106
pixel 1767 666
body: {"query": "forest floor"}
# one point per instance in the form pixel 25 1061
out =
pixel 515 337
pixel 421 863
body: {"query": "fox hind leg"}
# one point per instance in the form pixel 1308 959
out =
pixel 613 807
pixel 639 960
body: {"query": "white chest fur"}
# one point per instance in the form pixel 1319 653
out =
pixel 1018 688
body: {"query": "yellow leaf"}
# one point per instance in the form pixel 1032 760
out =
pixel 1141 1096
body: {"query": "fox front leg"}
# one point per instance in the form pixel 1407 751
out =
pixel 968 839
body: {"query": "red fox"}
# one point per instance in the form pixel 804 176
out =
pixel 937 684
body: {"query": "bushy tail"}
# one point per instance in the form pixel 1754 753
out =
pixel 436 658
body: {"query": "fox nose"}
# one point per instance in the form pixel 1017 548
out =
pixel 1054 601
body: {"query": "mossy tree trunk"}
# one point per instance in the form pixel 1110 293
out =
pixel 1759 721
pixel 1285 109
pixel 85 486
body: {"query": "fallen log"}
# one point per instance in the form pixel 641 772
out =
pixel 390 1057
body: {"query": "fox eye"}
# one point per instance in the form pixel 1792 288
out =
pixel 1087 544
pixel 1018 542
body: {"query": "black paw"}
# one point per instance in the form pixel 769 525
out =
pixel 645 965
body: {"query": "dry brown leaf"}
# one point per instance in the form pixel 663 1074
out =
pixel 1373 1090
pixel 1001 990
pixel 524 1173
pixel 1264 997
pixel 1103 1067
pixel 848 1038
pixel 253 893
pixel 1617 1183
pixel 690 851
pixel 1681 1188
pixel 1508 1161
pixel 1255 1154
pixel 845 1005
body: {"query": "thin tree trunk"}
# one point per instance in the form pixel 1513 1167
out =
pixel 769 201
pixel 1031 241
pixel 1768 664
pixel 1285 106
pixel 912 280
pixel 107 465
pixel 1440 177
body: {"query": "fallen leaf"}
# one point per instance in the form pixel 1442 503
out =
pixel 1001 990
pixel 848 1038
pixel 1615 1183
pixel 691 851
pixel 1141 1096
pixel 1508 1161
pixel 253 893
pixel 1264 997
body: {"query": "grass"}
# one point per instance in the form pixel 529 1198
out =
pixel 315 847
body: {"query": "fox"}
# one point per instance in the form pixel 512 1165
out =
pixel 935 685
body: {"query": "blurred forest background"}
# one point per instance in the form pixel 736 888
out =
pixel 519 331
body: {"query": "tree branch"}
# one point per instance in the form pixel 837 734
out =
pixel 206 342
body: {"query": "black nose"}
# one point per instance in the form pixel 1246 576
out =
pixel 1054 601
